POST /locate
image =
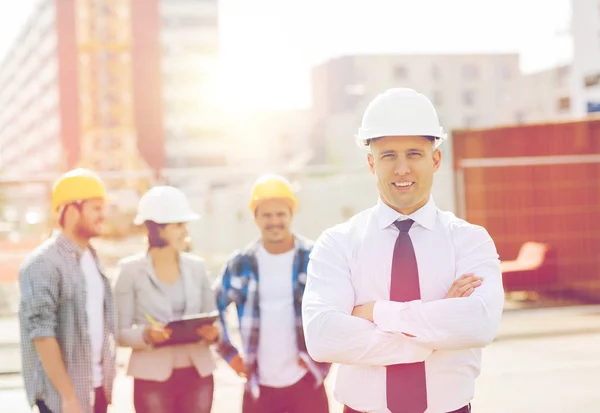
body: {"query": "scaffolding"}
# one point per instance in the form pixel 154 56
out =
pixel 104 44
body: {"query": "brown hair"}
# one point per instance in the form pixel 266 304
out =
pixel 154 238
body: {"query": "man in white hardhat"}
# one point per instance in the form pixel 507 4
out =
pixel 403 296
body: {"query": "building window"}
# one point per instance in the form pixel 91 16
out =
pixel 470 72
pixel 562 74
pixel 592 80
pixel 564 104
pixel 435 72
pixel 468 98
pixel 400 72
pixel 593 107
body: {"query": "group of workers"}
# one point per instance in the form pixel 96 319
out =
pixel 402 297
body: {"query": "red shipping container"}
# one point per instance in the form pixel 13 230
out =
pixel 536 183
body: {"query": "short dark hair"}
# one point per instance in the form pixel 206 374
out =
pixel 154 238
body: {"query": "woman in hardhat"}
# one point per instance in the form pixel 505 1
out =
pixel 156 287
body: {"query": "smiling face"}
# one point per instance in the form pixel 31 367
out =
pixel 84 219
pixel 274 219
pixel 175 235
pixel 404 167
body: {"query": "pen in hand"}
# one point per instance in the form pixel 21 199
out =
pixel 156 324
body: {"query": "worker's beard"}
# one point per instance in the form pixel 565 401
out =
pixel 88 230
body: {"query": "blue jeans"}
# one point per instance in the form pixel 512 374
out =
pixel 184 392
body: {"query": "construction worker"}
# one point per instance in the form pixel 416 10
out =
pixel 403 295
pixel 66 314
pixel 157 286
pixel 266 282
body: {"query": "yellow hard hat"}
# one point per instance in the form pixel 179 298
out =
pixel 76 185
pixel 272 187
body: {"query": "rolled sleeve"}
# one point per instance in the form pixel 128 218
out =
pixel 40 288
pixel 221 290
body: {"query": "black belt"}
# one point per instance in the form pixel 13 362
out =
pixel 464 409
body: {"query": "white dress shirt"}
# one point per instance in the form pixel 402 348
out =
pixel 351 265
pixel 94 305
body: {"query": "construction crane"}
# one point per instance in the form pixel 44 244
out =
pixel 109 142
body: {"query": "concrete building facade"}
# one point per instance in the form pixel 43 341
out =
pixel 174 49
pixel 585 79
pixel 192 121
pixel 543 96
pixel 33 128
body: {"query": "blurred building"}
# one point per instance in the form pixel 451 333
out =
pixel 192 122
pixel 39 123
pixel 36 134
pixel 543 96
pixel 467 90
pixel 585 80
pixel 146 86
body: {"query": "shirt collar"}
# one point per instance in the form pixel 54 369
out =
pixel 425 216
pixel 71 247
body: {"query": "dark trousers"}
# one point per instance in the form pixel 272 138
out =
pixel 184 392
pixel 465 409
pixel 301 397
pixel 100 405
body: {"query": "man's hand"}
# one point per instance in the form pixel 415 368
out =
pixel 464 286
pixel 364 311
pixel 208 332
pixel 71 405
pixel 237 364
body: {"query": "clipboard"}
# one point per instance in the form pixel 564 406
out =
pixel 184 330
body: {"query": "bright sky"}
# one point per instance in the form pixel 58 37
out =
pixel 269 46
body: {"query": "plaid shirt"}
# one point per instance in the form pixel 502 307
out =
pixel 239 284
pixel 53 304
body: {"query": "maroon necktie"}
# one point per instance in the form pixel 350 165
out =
pixel 405 383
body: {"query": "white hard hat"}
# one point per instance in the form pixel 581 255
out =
pixel 164 205
pixel 400 112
